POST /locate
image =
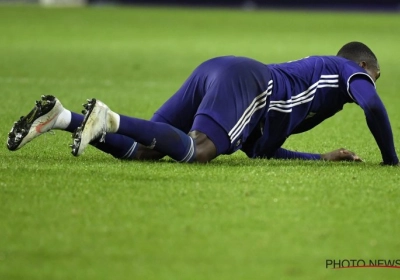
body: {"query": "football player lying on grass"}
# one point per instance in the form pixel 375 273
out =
pixel 227 104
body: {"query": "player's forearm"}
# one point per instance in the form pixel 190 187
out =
pixel 286 154
pixel 365 95
pixel 379 125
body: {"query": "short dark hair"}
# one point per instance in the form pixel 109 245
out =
pixel 358 52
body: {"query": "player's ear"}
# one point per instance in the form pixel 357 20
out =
pixel 362 64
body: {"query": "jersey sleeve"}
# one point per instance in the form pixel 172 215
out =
pixel 363 92
pixel 286 154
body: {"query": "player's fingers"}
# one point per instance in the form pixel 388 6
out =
pixel 351 153
pixel 357 158
pixel 347 154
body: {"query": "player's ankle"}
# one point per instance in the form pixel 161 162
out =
pixel 63 120
pixel 112 122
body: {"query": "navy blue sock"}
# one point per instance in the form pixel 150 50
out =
pixel 118 146
pixel 163 137
pixel 76 120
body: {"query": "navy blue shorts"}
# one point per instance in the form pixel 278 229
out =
pixel 224 98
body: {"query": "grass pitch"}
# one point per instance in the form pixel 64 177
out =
pixel 95 217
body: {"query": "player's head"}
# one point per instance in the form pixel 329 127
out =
pixel 363 56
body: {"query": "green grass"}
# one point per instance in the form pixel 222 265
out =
pixel 95 217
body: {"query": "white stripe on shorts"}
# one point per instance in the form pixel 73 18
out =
pixel 257 103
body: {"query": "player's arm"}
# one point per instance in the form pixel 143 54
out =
pixel 365 95
pixel 282 153
pixel 337 155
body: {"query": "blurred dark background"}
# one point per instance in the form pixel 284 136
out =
pixel 384 5
pixel 332 4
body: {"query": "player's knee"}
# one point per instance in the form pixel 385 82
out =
pixel 204 155
pixel 205 148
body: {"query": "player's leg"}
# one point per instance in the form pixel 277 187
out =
pixel 178 111
pixel 143 152
pixel 162 137
pixel 207 138
pixel 229 109
pixel 49 114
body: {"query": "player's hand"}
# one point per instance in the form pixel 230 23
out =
pixel 341 155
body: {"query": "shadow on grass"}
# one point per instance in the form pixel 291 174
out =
pixel 94 158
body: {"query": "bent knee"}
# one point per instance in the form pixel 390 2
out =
pixel 205 148
pixel 203 155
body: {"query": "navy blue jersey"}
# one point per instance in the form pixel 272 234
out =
pixel 307 91
pixel 304 89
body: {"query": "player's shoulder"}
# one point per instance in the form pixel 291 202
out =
pixel 350 69
pixel 344 67
pixel 341 63
pixel 334 63
pixel 333 60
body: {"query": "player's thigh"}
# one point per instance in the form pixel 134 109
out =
pixel 211 139
pixel 229 115
pixel 180 109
